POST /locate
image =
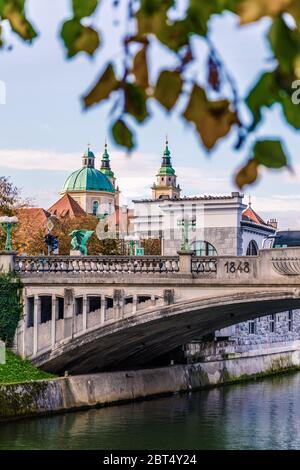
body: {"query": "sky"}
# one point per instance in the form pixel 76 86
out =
pixel 44 131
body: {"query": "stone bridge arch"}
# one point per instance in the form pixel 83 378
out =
pixel 139 339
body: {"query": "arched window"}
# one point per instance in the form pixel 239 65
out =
pixel 95 207
pixel 203 248
pixel 252 249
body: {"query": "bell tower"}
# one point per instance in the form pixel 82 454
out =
pixel 165 186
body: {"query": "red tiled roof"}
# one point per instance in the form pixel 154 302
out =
pixel 66 207
pixel 36 215
pixel 251 216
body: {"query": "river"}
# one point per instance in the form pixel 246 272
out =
pixel 256 415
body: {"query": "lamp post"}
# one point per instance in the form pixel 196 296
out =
pixel 185 224
pixel 7 223
pixel 132 240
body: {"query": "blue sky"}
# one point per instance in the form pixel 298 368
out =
pixel 44 131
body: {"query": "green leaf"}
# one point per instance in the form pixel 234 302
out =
pixel 213 119
pixel 269 153
pixel 88 41
pixel 140 68
pixel 152 15
pixel 122 134
pixel 264 93
pixel 174 36
pixel 199 13
pixel 285 44
pixel 168 88
pixel 290 110
pixel 13 12
pixel 102 89
pixel 248 174
pixel 84 8
pixel 135 101
pixel 79 38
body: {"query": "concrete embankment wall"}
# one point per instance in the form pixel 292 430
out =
pixel 67 393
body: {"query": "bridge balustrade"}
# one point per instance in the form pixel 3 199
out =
pixel 99 264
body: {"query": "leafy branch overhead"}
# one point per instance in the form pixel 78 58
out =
pixel 213 106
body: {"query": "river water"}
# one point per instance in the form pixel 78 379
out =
pixel 259 415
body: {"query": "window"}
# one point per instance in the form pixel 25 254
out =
pixel 95 207
pixel 272 323
pixel 203 248
pixel 252 249
pixel 251 327
pixel 290 320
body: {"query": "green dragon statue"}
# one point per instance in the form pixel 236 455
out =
pixel 80 239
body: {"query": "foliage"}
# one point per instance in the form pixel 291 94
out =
pixel 10 307
pixel 214 107
pixel 9 196
pixel 151 246
pixel 18 370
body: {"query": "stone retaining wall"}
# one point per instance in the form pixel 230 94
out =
pixel 75 392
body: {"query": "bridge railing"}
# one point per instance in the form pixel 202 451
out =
pixel 97 264
pixel 204 265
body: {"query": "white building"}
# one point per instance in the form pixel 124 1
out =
pixel 217 225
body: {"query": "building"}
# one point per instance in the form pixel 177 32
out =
pixel 217 225
pixel 94 190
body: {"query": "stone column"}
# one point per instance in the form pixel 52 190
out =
pixel 36 322
pixel 153 301
pixel 53 320
pixel 68 313
pixel 102 319
pixel 134 303
pixel 168 296
pixel 7 261
pixel 118 303
pixel 84 312
pixel 185 262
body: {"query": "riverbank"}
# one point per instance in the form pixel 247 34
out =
pixel 107 388
pixel 17 370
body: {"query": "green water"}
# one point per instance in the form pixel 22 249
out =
pixel 258 415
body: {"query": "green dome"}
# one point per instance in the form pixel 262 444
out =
pixel 89 153
pixel 88 179
pixel 166 170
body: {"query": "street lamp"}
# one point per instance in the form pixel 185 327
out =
pixel 7 223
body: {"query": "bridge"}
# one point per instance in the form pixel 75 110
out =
pixel 85 314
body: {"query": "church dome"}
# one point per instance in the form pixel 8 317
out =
pixel 88 179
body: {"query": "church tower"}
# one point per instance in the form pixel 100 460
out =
pixel 165 186
pixel 107 171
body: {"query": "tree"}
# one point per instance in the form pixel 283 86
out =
pixel 213 108
pixel 9 197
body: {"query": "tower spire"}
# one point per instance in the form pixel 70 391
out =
pixel 166 186
pixel 105 164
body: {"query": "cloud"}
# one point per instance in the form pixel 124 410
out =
pixel 135 173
